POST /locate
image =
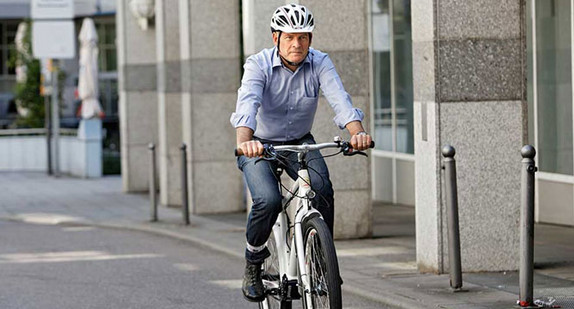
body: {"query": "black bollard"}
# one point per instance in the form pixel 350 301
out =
pixel 527 227
pixel 455 270
pixel 184 194
pixel 152 184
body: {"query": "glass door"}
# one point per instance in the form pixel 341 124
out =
pixel 550 99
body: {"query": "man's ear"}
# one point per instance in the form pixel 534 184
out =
pixel 275 37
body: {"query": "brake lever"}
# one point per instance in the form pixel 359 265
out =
pixel 264 159
pixel 269 154
pixel 353 153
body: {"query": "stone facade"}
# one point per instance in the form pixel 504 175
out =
pixel 138 98
pixel 469 88
pixel 169 101
pixel 211 72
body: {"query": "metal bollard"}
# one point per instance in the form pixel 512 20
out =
pixel 152 184
pixel 455 270
pixel 184 194
pixel 527 227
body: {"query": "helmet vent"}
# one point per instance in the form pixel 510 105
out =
pixel 294 22
pixel 283 21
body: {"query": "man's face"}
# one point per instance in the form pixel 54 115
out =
pixel 293 46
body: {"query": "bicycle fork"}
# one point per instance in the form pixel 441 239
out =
pixel 303 211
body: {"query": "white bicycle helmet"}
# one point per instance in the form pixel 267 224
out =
pixel 292 18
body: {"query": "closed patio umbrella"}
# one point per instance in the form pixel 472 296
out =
pixel 21 69
pixel 88 77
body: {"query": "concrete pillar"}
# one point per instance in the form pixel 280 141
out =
pixel 169 101
pixel 210 55
pixel 256 19
pixel 347 45
pixel 470 91
pixel 138 97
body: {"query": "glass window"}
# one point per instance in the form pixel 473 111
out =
pixel 382 75
pixel 554 86
pixel 7 35
pixel 403 75
pixel 106 29
pixel 393 98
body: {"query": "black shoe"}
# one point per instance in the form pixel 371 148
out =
pixel 252 285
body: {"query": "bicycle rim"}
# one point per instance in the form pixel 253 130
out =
pixel 321 265
pixel 272 279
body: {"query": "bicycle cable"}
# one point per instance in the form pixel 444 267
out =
pixel 285 165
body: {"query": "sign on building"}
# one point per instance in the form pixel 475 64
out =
pixel 53 31
pixel 52 9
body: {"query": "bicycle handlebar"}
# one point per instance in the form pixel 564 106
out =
pixel 305 147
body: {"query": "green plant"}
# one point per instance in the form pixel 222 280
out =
pixel 27 92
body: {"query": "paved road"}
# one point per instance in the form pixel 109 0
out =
pixel 55 266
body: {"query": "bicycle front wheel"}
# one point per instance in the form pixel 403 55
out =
pixel 322 265
pixel 272 280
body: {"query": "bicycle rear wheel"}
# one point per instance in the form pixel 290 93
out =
pixel 272 280
pixel 322 265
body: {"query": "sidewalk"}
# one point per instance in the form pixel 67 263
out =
pixel 382 268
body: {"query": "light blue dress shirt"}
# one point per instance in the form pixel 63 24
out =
pixel 280 105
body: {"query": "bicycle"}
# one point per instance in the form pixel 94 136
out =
pixel 312 276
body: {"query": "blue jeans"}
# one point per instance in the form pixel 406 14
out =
pixel 266 194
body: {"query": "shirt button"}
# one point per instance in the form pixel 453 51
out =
pixel 291 108
pixel 290 122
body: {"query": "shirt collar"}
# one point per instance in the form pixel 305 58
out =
pixel 277 60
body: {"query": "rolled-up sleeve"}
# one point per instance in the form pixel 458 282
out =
pixel 338 98
pixel 249 96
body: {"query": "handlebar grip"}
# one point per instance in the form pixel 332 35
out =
pixel 372 145
pixel 238 152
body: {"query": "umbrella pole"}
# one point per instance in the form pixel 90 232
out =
pixel 55 118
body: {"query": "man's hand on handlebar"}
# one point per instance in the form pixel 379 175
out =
pixel 361 141
pixel 251 149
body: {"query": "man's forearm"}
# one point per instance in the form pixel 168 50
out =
pixel 354 127
pixel 243 134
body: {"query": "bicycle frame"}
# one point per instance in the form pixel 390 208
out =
pixel 292 258
pixel 290 248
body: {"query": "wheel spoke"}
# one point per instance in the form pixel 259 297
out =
pixel 316 271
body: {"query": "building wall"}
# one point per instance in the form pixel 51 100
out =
pixel 347 43
pixel 169 101
pixel 211 62
pixel 469 78
pixel 138 97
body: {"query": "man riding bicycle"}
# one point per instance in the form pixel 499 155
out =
pixel 276 104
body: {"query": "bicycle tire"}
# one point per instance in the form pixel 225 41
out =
pixel 322 265
pixel 271 273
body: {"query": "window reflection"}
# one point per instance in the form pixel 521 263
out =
pixel 554 86
pixel 403 75
pixel 382 75
pixel 393 92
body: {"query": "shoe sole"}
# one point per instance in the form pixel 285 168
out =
pixel 254 300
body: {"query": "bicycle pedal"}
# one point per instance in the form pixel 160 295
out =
pixel 292 289
pixel 273 291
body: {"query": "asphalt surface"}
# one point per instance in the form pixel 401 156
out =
pixel 381 269
pixel 77 266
